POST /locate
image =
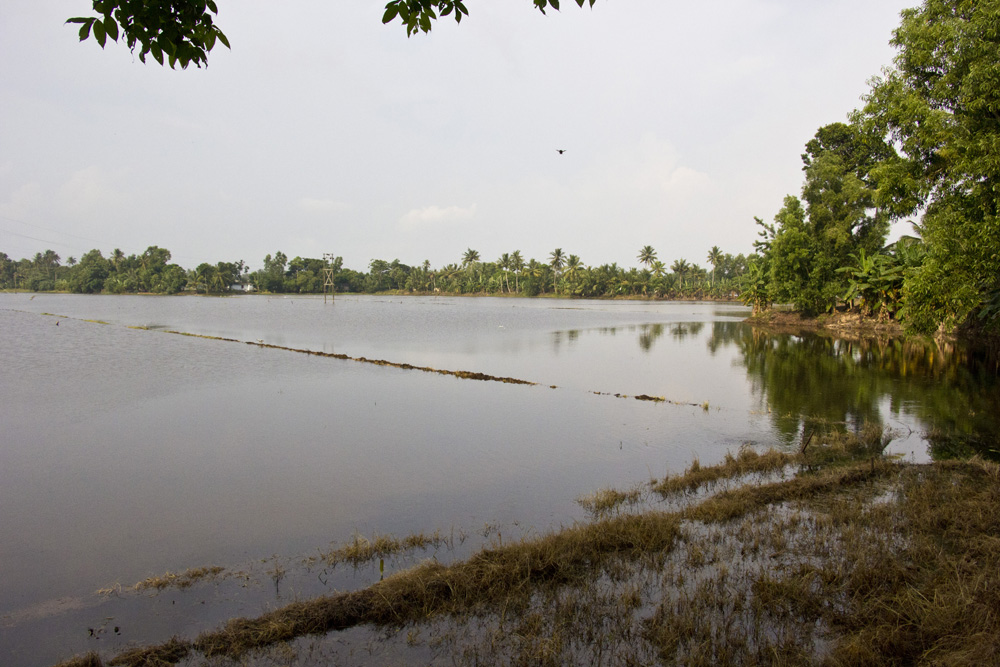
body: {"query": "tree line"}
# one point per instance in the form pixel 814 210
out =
pixel 925 147
pixel 560 273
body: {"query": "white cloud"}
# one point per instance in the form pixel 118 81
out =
pixel 435 216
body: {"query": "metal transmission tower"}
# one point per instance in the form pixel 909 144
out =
pixel 328 275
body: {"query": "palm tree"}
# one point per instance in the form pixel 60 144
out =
pixel 681 268
pixel 470 257
pixel 50 260
pixel 647 255
pixel 504 264
pixel 714 258
pixel 203 275
pixel 517 264
pixel 573 268
pixel 556 262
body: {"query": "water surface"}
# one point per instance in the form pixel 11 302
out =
pixel 127 452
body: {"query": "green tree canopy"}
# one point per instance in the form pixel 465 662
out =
pixel 941 105
pixel 807 244
pixel 175 32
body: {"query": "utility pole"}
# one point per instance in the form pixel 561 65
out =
pixel 328 275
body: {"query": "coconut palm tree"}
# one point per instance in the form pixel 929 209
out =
pixel 470 257
pixel 681 268
pixel 556 261
pixel 647 255
pixel 504 264
pixel 715 258
pixel 517 265
pixel 574 267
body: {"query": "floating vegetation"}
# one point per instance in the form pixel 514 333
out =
pixel 183 580
pixel 361 550
pixel 746 462
pixel 652 399
pixel 605 501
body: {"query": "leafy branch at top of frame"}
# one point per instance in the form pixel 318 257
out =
pixel 418 15
pixel 178 32
pixel 182 32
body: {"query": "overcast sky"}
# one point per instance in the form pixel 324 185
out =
pixel 325 131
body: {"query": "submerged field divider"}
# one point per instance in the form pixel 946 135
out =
pixel 465 375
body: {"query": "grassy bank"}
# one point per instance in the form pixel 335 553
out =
pixel 831 555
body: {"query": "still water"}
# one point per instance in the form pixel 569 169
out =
pixel 127 450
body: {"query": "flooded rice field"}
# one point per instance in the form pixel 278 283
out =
pixel 283 428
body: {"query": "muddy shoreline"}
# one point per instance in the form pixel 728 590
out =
pixel 841 323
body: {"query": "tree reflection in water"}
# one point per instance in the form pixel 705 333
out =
pixel 951 388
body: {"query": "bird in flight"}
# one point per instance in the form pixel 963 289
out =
pixel 560 150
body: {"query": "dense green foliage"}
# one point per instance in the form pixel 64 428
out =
pixel 941 105
pixel 927 144
pixel 178 32
pixel 149 272
pixel 509 274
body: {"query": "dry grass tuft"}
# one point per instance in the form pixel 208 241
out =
pixel 163 655
pixel 362 550
pixel 746 462
pixel 605 501
pixel 183 580
pixel 88 660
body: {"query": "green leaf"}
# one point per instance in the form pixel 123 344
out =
pixel 157 53
pixel 391 12
pixel 211 5
pixel 223 39
pixel 79 19
pixel 111 28
pixel 85 30
pixel 99 34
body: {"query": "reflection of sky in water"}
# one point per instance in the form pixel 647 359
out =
pixel 127 453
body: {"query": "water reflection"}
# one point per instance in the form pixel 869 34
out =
pixel 647 333
pixel 950 388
